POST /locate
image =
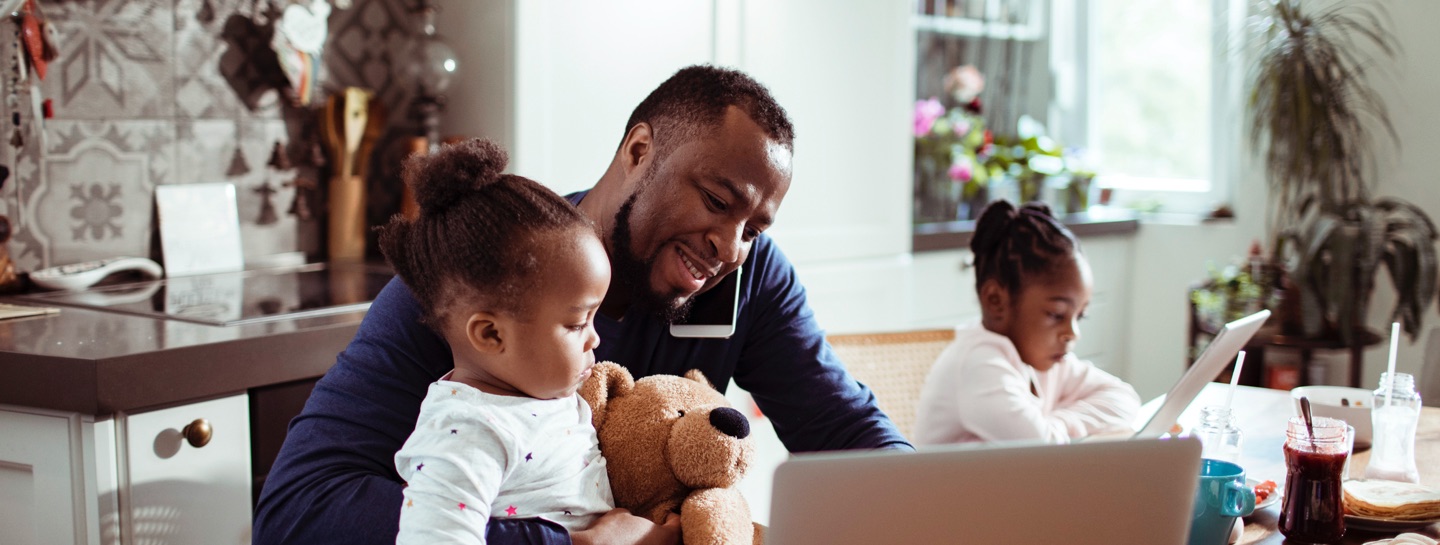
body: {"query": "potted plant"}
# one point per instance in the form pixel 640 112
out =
pixel 1307 99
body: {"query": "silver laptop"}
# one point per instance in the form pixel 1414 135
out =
pixel 1217 355
pixel 1107 492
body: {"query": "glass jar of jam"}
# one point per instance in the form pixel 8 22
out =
pixel 1312 510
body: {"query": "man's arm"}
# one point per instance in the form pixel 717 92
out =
pixel 796 379
pixel 334 480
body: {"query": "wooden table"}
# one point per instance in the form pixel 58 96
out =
pixel 1261 414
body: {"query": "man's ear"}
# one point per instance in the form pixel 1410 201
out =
pixel 485 332
pixel 637 149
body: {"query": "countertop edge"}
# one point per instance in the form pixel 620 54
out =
pixel 956 235
pixel 101 387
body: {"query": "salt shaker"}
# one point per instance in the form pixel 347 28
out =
pixel 1219 437
pixel 1394 415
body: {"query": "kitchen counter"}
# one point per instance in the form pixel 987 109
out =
pixel 96 362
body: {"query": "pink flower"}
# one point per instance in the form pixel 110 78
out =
pixel 961 127
pixel 962 171
pixel 926 112
pixel 964 83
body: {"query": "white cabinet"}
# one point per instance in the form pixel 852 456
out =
pixel 178 493
pixel 128 479
pixel 937 290
pixel 1104 334
pixel 554 82
pixel 46 494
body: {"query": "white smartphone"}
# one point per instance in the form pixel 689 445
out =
pixel 713 314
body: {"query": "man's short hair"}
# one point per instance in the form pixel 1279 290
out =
pixel 696 98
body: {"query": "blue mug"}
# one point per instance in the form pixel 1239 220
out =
pixel 1221 497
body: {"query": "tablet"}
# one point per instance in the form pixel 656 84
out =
pixel 1221 352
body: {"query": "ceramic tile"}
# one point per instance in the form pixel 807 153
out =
pixel 91 193
pixel 224 64
pixel 239 153
pixel 365 42
pixel 150 92
pixel 115 59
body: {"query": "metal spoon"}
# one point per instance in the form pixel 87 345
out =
pixel 1305 412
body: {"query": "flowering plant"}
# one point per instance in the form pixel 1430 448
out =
pixel 957 158
pixel 952 146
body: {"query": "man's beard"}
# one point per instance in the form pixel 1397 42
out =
pixel 635 273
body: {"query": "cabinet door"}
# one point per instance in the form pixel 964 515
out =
pixel 43 486
pixel 844 72
pixel 182 494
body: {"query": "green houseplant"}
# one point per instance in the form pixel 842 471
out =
pixel 1308 96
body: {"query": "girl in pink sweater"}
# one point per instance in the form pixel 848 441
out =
pixel 1013 376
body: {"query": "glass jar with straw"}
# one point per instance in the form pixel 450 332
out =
pixel 1220 438
pixel 1394 416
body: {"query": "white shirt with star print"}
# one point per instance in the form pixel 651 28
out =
pixel 475 456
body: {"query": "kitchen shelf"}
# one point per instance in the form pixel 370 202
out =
pixel 977 28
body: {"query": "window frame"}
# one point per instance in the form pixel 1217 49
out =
pixel 1073 44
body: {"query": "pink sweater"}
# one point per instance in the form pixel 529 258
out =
pixel 980 391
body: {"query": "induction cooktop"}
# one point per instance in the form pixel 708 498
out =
pixel 235 298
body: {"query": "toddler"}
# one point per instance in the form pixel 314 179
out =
pixel 510 275
pixel 1013 375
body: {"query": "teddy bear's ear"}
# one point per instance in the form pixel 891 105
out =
pixel 697 376
pixel 608 380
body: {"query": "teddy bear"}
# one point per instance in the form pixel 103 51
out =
pixel 674 444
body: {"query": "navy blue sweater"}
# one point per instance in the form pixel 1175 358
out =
pixel 335 479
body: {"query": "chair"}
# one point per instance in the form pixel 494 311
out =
pixel 1430 373
pixel 894 366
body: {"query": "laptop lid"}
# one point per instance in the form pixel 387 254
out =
pixel 1217 355
pixel 1105 492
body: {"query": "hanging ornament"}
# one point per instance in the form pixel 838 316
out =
pixel 279 160
pixel 32 37
pixel 49 37
pixel 317 155
pixel 298 42
pixel 267 208
pixel 206 15
pixel 239 166
pixel 305 189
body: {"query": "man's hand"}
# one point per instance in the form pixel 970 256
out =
pixel 619 527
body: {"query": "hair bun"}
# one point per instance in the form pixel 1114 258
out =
pixel 444 177
pixel 1038 207
pixel 993 226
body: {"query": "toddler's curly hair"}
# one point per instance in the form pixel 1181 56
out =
pixel 476 237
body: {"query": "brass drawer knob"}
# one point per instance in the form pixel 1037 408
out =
pixel 198 433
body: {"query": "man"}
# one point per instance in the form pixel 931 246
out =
pixel 697 179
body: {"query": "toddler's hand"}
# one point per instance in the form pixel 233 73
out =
pixel 619 527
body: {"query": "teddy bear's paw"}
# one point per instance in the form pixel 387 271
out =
pixel 717 516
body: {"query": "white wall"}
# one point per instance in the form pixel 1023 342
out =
pixel 1169 258
pixel 1409 86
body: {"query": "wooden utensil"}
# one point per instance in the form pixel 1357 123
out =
pixel 346 116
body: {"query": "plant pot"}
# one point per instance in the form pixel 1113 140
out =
pixel 1289 307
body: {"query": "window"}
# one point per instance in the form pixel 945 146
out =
pixel 1147 89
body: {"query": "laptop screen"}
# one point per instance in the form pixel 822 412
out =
pixel 1096 493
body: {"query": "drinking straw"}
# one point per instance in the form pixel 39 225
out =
pixel 1394 345
pixel 1235 379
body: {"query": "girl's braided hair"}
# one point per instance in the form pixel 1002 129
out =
pixel 1012 243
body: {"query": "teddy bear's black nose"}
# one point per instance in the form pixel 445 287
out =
pixel 730 422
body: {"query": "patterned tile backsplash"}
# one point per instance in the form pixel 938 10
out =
pixel 154 92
